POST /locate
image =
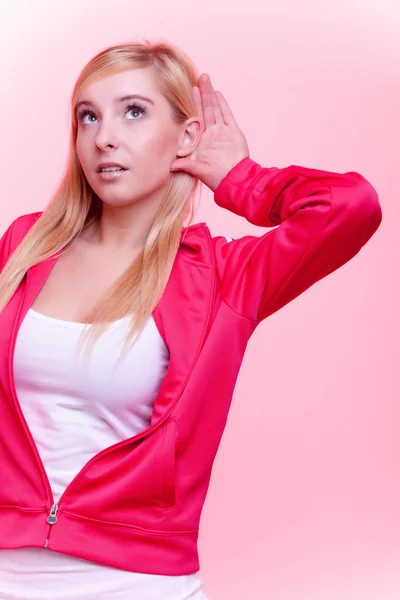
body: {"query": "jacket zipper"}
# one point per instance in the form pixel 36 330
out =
pixel 52 520
pixel 52 516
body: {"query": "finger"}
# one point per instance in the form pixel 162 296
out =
pixel 226 111
pixel 219 119
pixel 206 98
pixel 198 106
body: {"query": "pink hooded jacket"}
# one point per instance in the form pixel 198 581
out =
pixel 136 505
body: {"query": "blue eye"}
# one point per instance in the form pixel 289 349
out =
pixel 132 107
pixel 136 108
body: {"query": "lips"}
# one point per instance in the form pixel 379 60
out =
pixel 109 164
pixel 111 175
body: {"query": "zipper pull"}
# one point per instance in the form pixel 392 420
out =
pixel 52 518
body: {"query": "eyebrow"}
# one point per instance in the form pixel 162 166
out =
pixel 117 100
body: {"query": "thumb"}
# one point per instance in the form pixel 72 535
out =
pixel 187 165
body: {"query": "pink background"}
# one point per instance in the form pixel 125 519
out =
pixel 304 502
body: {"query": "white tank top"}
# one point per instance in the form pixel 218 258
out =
pixel 72 415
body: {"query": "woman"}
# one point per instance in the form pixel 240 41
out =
pixel 107 454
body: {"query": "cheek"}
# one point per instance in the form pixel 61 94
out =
pixel 153 158
pixel 162 149
pixel 84 152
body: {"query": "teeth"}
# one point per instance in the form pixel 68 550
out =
pixel 111 169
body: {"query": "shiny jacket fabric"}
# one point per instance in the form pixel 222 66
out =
pixel 136 505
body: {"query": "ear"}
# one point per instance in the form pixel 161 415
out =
pixel 190 137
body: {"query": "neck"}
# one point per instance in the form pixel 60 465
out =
pixel 123 227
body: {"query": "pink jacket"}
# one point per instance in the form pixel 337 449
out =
pixel 136 505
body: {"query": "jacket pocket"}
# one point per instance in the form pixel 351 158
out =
pixel 167 474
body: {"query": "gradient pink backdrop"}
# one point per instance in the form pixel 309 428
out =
pixel 304 501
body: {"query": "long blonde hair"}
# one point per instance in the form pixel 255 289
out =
pixel 75 206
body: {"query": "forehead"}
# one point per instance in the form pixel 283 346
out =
pixel 133 81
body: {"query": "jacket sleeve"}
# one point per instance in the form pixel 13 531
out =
pixel 321 220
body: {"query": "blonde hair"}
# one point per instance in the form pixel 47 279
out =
pixel 75 206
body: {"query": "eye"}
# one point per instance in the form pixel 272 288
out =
pixel 136 108
pixel 131 108
pixel 82 114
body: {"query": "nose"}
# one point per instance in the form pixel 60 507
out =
pixel 107 135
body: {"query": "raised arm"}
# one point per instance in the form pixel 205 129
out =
pixel 323 219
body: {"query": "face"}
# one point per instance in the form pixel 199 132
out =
pixel 137 133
